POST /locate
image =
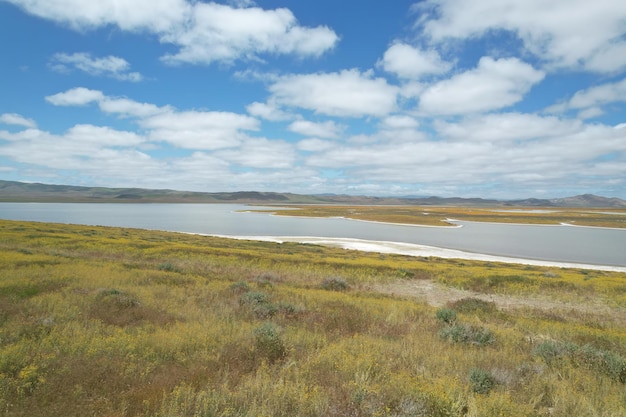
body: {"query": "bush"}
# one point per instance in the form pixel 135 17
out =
pixel 463 333
pixel 335 284
pixel 446 315
pixel 269 343
pixel 259 303
pixel 481 381
pixel 254 298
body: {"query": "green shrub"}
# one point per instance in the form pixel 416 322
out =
pixel 481 381
pixel 254 298
pixel 269 343
pixel 446 315
pixel 463 333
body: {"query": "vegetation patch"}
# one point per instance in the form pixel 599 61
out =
pixel 465 333
pixel 599 360
pixel 473 305
pixel 335 284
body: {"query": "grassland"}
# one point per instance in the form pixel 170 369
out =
pixel 123 322
pixel 438 215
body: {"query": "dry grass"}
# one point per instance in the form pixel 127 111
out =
pixel 121 322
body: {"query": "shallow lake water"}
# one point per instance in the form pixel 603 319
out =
pixel 581 245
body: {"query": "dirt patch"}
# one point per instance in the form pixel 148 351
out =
pixel 438 295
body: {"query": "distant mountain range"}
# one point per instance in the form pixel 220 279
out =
pixel 13 191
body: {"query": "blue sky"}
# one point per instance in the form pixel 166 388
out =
pixel 473 98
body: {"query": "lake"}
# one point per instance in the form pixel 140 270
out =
pixel 568 244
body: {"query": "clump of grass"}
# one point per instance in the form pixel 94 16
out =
pixel 473 305
pixel 335 284
pixel 266 280
pixel 168 267
pixel 240 287
pixel 117 298
pixel 405 273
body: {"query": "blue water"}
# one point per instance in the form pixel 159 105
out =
pixel 549 243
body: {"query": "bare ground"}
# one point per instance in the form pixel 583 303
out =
pixel 438 295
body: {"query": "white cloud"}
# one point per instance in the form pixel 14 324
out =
pixel 507 127
pixel 399 122
pixel 91 150
pixel 268 111
pixel 412 63
pixel 599 95
pixel 78 96
pixel 203 32
pixel 17 119
pixel 328 129
pixel 109 66
pixel 138 15
pixel 104 136
pixel 315 145
pixel 260 153
pixel 564 33
pixel 199 130
pixel 348 93
pixel 567 153
pixel 206 130
pixel 223 33
pixel 590 113
pixel 130 108
pixel 494 84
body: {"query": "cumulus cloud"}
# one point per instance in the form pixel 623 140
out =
pixel 92 150
pixel 564 155
pixel 199 130
pixel 79 96
pixel 328 129
pixel 563 33
pixel 203 32
pixel 260 153
pixel 507 127
pixel 599 95
pixel 412 63
pixel 268 111
pixel 188 129
pixel 493 84
pixel 348 93
pixel 315 145
pixel 399 122
pixel 223 33
pixel 108 66
pixel 17 119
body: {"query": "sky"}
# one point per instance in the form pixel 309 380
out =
pixel 471 98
